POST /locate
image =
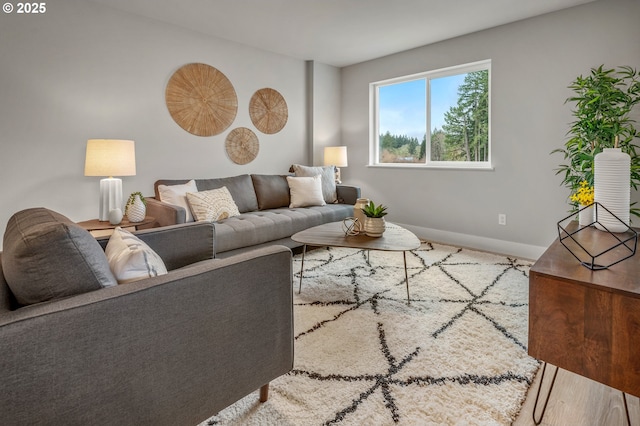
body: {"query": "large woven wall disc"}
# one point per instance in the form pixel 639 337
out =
pixel 268 111
pixel 242 145
pixel 201 99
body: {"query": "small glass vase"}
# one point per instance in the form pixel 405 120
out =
pixel 361 203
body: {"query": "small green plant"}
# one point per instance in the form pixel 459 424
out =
pixel 371 210
pixel 132 198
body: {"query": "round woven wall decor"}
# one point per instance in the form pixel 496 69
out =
pixel 242 145
pixel 268 111
pixel 201 99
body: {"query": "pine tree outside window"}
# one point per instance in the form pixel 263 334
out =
pixel 454 103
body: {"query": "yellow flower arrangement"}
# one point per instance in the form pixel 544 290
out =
pixel 584 196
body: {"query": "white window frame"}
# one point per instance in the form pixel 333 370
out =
pixel 374 133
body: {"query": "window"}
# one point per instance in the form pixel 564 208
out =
pixel 454 103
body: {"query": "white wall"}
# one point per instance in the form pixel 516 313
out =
pixel 533 62
pixel 83 71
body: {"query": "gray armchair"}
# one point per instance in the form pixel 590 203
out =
pixel 173 349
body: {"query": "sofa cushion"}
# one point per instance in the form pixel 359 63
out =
pixel 212 205
pixel 328 179
pixel 46 256
pixel 131 259
pixel 260 227
pixel 272 191
pixel 177 195
pixel 305 191
pixel 240 187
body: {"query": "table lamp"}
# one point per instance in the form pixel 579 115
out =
pixel 336 156
pixel 110 157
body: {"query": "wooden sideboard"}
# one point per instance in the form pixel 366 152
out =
pixel 584 321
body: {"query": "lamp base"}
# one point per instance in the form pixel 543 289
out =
pixel 338 176
pixel 110 196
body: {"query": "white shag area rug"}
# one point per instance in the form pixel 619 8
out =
pixel 455 356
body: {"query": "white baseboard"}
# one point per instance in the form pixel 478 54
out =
pixel 510 248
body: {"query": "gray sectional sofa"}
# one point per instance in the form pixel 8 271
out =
pixel 167 350
pixel 265 217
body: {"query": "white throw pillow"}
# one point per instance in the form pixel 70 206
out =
pixel 177 195
pixel 212 205
pixel 328 174
pixel 131 259
pixel 305 191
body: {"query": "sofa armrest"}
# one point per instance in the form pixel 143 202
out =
pixel 173 349
pixel 178 245
pixel 164 213
pixel 347 194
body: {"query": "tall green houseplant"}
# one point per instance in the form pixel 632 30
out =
pixel 604 100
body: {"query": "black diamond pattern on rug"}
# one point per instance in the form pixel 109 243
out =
pixel 455 355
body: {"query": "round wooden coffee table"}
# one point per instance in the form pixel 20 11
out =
pixel 395 238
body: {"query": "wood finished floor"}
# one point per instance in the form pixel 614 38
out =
pixel 576 400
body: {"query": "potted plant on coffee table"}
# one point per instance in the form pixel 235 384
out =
pixel 374 224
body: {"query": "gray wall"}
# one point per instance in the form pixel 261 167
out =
pixel 326 110
pixel 85 71
pixel 533 61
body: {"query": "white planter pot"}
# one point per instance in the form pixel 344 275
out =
pixel 374 226
pixel 612 188
pixel 136 211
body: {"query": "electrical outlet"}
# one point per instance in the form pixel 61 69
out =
pixel 502 219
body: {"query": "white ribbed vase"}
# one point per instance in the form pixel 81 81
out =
pixel 136 211
pixel 612 188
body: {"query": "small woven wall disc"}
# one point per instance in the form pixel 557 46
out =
pixel 242 145
pixel 201 99
pixel 268 111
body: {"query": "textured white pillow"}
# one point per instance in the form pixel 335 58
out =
pixel 131 259
pixel 328 174
pixel 177 195
pixel 212 205
pixel 305 191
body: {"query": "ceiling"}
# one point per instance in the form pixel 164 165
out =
pixel 338 32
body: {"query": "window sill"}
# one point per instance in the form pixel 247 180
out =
pixel 478 167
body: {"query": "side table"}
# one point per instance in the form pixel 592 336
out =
pixel 585 321
pixel 99 228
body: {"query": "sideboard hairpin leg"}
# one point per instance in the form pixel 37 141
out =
pixel 535 405
pixel 304 250
pixel 406 276
pixel 626 408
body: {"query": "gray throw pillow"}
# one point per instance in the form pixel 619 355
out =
pixel 328 179
pixel 46 256
pixel 272 191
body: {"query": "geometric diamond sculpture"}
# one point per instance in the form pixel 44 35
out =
pixel 593 248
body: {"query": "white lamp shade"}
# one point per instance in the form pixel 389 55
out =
pixel 335 156
pixel 110 157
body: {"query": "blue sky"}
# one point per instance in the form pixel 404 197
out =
pixel 403 105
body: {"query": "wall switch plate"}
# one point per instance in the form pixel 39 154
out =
pixel 502 219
